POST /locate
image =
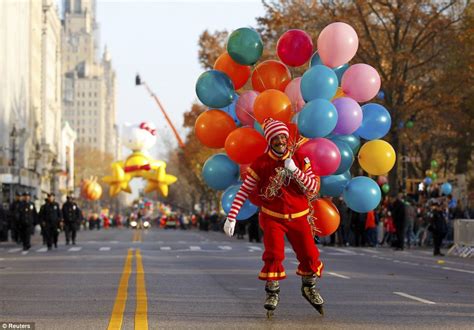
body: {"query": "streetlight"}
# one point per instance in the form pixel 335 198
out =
pixel 13 138
pixel 138 82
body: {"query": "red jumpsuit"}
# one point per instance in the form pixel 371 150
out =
pixel 286 213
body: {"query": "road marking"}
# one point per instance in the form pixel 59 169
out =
pixel 24 253
pixel 195 248
pixel 415 298
pixel 256 248
pixel 43 249
pixel 370 250
pixel 166 248
pixel 346 251
pixel 105 248
pixel 459 270
pixel 225 247
pixel 181 242
pixel 116 319
pixel 14 250
pixel 75 249
pixel 339 275
pixel 113 242
pixel 141 311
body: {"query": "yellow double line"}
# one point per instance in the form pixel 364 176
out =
pixel 141 310
pixel 137 236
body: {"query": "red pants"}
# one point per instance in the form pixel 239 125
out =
pixel 299 235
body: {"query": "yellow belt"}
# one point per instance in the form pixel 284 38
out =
pixel 284 216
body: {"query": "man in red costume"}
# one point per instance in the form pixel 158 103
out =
pixel 285 212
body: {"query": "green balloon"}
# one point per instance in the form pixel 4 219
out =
pixel 434 176
pixel 434 164
pixel 409 124
pixel 245 46
pixel 386 188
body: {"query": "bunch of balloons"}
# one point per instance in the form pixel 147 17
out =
pixel 327 107
pixel 431 173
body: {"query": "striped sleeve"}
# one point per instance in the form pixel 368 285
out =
pixel 310 181
pixel 245 189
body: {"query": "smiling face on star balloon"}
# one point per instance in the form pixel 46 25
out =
pixel 139 137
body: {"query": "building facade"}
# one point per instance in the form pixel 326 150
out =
pixel 89 80
pixel 30 97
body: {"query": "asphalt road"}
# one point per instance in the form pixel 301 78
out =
pixel 173 279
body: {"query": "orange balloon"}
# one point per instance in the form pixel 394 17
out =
pixel 274 104
pixel 212 128
pixel 239 74
pixel 244 145
pixel 270 74
pixel 339 93
pixel 326 216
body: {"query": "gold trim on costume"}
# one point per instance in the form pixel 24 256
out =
pixel 275 274
pixel 284 216
pixel 253 174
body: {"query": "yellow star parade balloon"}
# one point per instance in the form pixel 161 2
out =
pixel 139 163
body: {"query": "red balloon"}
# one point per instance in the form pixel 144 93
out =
pixel 326 216
pixel 212 128
pixel 244 145
pixel 270 74
pixel 323 154
pixel 295 47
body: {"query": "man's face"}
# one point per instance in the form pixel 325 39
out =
pixel 279 143
pixel 51 198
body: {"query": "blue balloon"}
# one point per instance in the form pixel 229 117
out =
pixel 333 185
pixel 376 122
pixel 340 72
pixel 428 181
pixel 230 109
pixel 215 89
pixel 258 127
pixel 317 118
pixel 319 82
pixel 315 60
pixel 362 194
pixel 446 188
pixel 381 95
pixel 352 140
pixel 219 172
pixel 347 157
pixel 246 211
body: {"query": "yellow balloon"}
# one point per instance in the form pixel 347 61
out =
pixel 377 157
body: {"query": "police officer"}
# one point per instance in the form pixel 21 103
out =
pixel 26 220
pixel 72 218
pixel 13 217
pixel 50 217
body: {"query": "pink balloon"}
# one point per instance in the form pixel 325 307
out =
pixel 293 91
pixel 382 180
pixel 361 82
pixel 244 107
pixel 323 154
pixel 337 44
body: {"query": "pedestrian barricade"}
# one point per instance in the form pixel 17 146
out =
pixel 463 238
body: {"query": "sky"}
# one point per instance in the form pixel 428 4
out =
pixel 159 40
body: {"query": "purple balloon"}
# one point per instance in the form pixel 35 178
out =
pixel 349 115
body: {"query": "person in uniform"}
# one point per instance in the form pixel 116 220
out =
pixel 27 218
pixel 13 217
pixel 72 218
pixel 50 217
pixel 284 213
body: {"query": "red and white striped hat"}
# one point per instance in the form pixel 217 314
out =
pixel 272 128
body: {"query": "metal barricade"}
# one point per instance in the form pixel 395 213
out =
pixel 463 238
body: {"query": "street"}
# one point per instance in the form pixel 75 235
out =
pixel 183 279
